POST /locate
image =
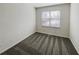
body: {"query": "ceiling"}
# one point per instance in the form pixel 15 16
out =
pixel 44 4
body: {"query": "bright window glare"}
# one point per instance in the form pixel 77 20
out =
pixel 55 23
pixel 55 14
pixel 45 14
pixel 51 18
pixel 45 23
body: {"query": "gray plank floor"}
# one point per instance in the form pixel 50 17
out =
pixel 43 44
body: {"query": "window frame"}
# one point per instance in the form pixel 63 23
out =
pixel 52 18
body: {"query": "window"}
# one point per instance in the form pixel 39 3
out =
pixel 51 18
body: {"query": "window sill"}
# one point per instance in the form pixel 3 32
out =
pixel 51 27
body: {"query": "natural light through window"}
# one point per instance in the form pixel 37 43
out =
pixel 51 18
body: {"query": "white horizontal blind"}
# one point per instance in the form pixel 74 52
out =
pixel 51 18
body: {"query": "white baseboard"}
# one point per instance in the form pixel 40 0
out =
pixel 75 45
pixel 52 34
pixel 14 44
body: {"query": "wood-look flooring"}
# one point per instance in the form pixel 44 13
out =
pixel 43 44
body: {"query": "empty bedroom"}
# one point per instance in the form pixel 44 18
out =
pixel 39 28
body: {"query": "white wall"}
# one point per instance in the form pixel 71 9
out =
pixel 74 25
pixel 63 31
pixel 17 21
